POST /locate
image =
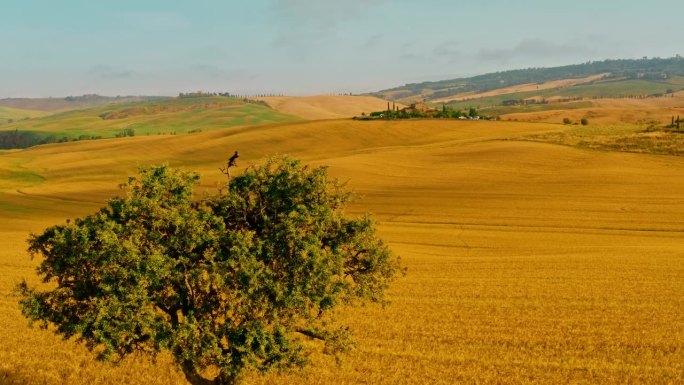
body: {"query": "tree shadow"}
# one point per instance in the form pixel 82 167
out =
pixel 11 377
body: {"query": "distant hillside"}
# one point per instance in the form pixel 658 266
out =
pixel 71 102
pixel 608 78
pixel 9 115
pixel 325 106
pixel 169 116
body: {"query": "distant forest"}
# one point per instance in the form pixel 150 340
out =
pixel 24 139
pixel 647 69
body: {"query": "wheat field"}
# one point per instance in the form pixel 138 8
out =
pixel 528 262
pixel 326 106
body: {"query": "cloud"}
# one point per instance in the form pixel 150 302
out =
pixel 151 21
pixel 534 49
pixel 408 56
pixel 212 72
pixel 449 50
pixel 322 14
pixel 112 72
pixel 373 41
pixel 302 24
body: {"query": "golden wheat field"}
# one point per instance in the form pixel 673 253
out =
pixel 325 106
pixel 528 262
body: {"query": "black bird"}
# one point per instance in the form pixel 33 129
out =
pixel 233 159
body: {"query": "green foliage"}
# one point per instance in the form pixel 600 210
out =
pixel 584 121
pixel 448 113
pixel 444 113
pixel 20 139
pixel 537 107
pixel 232 281
pixel 567 121
pixel 125 132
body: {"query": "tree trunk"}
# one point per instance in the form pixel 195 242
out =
pixel 195 378
pixel 223 379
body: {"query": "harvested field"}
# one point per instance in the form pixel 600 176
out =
pixel 529 262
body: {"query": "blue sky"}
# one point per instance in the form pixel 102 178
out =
pixel 154 47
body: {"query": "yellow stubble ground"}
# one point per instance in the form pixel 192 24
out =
pixel 528 263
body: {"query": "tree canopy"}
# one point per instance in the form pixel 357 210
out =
pixel 229 282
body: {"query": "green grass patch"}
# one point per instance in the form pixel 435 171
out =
pixel 23 177
pixel 502 110
pixel 617 138
pixel 169 116
pixel 26 177
pixel 677 81
pixel 14 175
pixel 6 207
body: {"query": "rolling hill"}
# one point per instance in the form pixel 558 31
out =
pixel 71 102
pixel 537 253
pixel 325 106
pixel 648 113
pixel 600 79
pixel 528 262
pixel 9 115
pixel 166 116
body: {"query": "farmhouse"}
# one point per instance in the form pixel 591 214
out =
pixel 419 108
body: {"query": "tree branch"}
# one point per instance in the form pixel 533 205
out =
pixel 311 334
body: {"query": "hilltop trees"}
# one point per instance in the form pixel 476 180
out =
pixel 423 112
pixel 230 282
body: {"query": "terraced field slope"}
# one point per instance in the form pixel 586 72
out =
pixel 528 262
pixel 607 78
pixel 654 112
pixel 529 87
pixel 557 98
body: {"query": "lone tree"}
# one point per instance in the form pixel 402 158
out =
pixel 228 283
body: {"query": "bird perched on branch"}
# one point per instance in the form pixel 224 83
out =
pixel 233 160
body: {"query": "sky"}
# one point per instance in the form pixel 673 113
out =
pixel 302 47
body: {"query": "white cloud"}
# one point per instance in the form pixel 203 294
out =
pixel 112 72
pixel 449 50
pixel 151 21
pixel 534 49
